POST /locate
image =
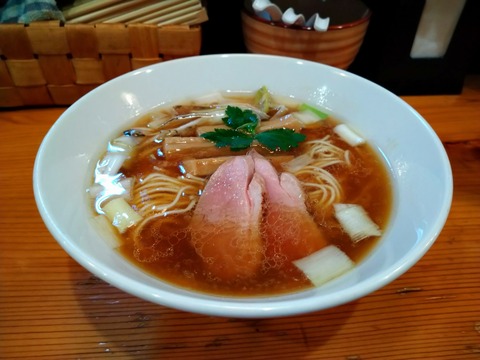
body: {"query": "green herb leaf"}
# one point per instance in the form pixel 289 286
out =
pixel 241 134
pixel 237 140
pixel 283 139
pixel 237 118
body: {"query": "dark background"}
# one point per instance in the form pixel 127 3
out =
pixel 384 56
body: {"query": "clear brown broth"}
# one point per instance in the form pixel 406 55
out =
pixel 366 183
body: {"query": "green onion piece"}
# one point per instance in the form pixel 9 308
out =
pixel 263 99
pixel 306 107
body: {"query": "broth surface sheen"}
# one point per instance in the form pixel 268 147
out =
pixel 160 167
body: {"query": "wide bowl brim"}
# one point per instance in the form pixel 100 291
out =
pixel 417 162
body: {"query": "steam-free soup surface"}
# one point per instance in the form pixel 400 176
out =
pixel 169 165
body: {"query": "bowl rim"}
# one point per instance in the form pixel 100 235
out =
pixel 256 307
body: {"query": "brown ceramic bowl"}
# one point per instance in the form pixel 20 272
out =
pixel 337 46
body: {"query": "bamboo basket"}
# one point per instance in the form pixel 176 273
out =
pixel 51 63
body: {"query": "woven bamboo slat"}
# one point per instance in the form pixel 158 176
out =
pixel 50 63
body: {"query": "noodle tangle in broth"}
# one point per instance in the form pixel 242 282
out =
pixel 225 174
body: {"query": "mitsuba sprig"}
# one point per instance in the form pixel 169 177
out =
pixel 242 132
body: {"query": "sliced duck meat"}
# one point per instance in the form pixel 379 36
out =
pixel 225 227
pixel 288 230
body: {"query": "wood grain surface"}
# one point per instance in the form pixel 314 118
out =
pixel 52 308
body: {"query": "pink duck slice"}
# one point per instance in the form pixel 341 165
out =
pixel 225 227
pixel 289 231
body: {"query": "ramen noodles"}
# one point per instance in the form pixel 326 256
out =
pixel 245 194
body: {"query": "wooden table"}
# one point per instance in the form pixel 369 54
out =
pixel 52 308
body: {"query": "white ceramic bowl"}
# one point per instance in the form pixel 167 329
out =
pixel 420 171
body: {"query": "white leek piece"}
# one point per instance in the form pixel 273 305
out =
pixel 298 163
pixel 111 163
pixel 123 144
pixel 306 117
pixel 324 265
pixel 95 190
pixel 121 214
pixel 263 99
pixel 102 223
pixel 348 135
pixel 309 114
pixel 159 120
pixel 355 221
pixel 109 186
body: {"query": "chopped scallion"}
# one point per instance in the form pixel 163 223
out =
pixel 348 135
pixel 121 214
pixel 324 265
pixel 356 222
